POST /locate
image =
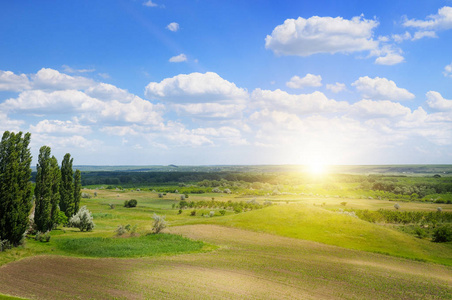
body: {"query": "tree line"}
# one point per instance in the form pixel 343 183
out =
pixel 57 191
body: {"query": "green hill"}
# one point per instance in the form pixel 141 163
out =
pixel 333 228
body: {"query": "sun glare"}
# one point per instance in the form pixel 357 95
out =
pixel 317 168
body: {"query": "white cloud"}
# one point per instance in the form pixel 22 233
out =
pixel 442 20
pixel 150 4
pixel 211 110
pixel 309 80
pixel 173 26
pixel 54 80
pixel 137 111
pixel 279 100
pixel 381 89
pixel 369 108
pixel 60 102
pixel 436 101
pixel 390 59
pixel 8 124
pixel 304 37
pixel 68 69
pixel 336 88
pixel 105 91
pixel 448 70
pixel 422 34
pixel 398 38
pixel 179 58
pixel 57 126
pixel 12 82
pixel 195 88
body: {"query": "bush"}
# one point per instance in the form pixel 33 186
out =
pixel 61 220
pixel 130 203
pixel 343 203
pixel 86 195
pixel 211 214
pixel 222 212
pixel 4 244
pixel 396 206
pixel 193 213
pixel 43 237
pixel 442 234
pixel 160 195
pixel 120 230
pixel 180 212
pixel 112 206
pixel 159 223
pixel 82 220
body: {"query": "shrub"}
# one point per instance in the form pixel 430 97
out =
pixel 182 197
pixel 95 194
pixel 237 209
pixel 4 244
pixel 120 230
pixel 442 234
pixel 86 195
pixel 343 203
pixel 396 206
pixel 82 220
pixel 180 211
pixel 222 212
pixel 112 206
pixel 160 195
pixel 212 213
pixel 193 213
pixel 439 209
pixel 43 237
pixel 420 233
pixel 159 223
pixel 130 203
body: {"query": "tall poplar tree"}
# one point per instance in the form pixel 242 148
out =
pixel 77 190
pixel 55 180
pixel 43 191
pixel 47 190
pixel 15 186
pixel 67 187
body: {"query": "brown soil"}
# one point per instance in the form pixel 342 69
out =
pixel 247 265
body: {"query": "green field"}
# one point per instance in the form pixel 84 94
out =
pixel 299 247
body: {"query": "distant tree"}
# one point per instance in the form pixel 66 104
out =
pixel 77 189
pixel 67 204
pixel 396 206
pixel 15 186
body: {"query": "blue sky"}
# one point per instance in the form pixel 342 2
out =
pixel 230 82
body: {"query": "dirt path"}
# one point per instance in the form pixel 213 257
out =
pixel 247 265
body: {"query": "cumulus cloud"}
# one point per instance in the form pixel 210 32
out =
pixel 61 102
pixel 304 37
pixel 309 80
pixel 398 38
pixel 195 88
pixel 57 126
pixel 370 108
pixel 173 26
pixel 179 58
pixel 448 70
pixel 52 79
pixel 279 100
pixel 441 20
pixel 211 110
pixel 381 89
pixel 436 101
pixel 422 34
pixel 389 59
pixel 12 82
pixel 336 88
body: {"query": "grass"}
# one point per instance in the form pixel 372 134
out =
pixel 320 225
pixel 149 245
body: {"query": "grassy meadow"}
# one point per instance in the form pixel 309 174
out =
pixel 305 245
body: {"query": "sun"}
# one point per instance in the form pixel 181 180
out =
pixel 317 168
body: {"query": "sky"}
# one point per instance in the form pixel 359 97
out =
pixel 205 82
